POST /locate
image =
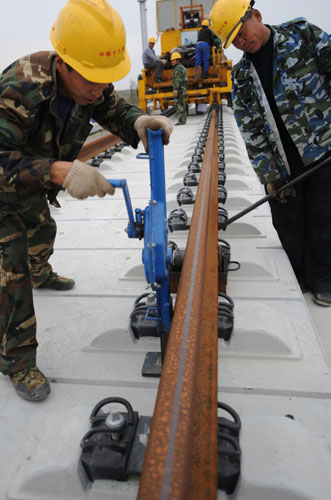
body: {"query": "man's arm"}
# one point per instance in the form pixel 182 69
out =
pixel 321 42
pixel 118 116
pixel 216 40
pixel 23 174
pixel 59 170
pixel 252 127
pixel 149 56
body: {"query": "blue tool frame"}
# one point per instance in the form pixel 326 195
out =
pixel 156 255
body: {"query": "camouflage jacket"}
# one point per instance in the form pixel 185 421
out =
pixel 32 134
pixel 180 79
pixel 301 88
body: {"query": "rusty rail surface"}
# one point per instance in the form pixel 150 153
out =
pixel 96 146
pixel 181 456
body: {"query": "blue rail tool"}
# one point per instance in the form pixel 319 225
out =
pixel 151 224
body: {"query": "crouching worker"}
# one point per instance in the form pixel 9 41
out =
pixel 179 85
pixel 46 102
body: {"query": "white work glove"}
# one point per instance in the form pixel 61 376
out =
pixel 83 181
pixel 175 93
pixel 164 61
pixel 144 122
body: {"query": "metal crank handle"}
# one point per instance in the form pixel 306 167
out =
pixel 121 183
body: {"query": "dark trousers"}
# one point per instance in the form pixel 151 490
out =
pixel 303 225
pixel 156 65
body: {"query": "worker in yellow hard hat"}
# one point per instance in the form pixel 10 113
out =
pixel 47 100
pixel 282 105
pixel 227 17
pixel 206 39
pixel 179 85
pixel 151 61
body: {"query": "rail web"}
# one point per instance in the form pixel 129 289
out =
pixel 181 456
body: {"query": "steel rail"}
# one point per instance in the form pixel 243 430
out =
pixel 181 455
pixel 95 146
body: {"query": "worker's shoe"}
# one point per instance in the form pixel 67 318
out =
pixel 322 298
pixel 30 384
pixel 56 282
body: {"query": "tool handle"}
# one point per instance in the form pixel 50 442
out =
pixel 122 184
pixel 269 197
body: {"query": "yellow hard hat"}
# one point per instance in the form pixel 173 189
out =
pixel 89 35
pixel 227 17
pixel 175 55
pixel 152 39
pixel 205 22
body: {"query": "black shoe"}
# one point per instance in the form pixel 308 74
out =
pixel 180 123
pixel 56 282
pixel 205 76
pixel 322 298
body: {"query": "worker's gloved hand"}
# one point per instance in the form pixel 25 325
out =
pixel 164 61
pixel 83 181
pixel 272 188
pixel 175 93
pixel 144 122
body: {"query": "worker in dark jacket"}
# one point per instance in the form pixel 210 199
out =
pixel 206 39
pixel 282 104
pixel 179 85
pixel 46 102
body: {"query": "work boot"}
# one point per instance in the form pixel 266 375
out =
pixel 56 282
pixel 30 384
pixel 322 298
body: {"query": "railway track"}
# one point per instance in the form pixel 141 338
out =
pixel 183 436
pixel 272 371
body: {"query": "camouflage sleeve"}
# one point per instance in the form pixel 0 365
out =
pixel 18 172
pixel 180 80
pixel 252 128
pixel 118 116
pixel 175 80
pixel 322 45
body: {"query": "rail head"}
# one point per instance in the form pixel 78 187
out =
pixel 181 456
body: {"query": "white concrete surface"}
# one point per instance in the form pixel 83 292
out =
pixel 276 364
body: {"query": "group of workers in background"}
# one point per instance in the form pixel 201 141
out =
pixel 206 39
pixel 281 100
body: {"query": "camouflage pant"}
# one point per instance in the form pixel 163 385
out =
pixel 26 243
pixel 181 108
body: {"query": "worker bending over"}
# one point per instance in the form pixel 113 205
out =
pixel 281 101
pixel 47 100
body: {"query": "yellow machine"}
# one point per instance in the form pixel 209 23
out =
pixel 179 24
